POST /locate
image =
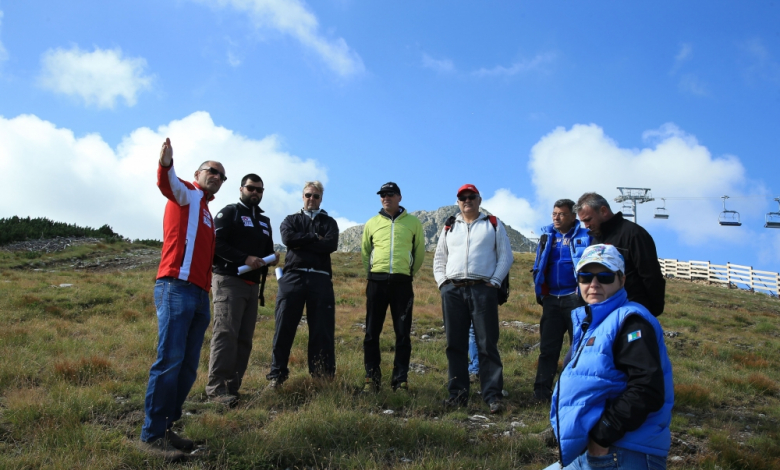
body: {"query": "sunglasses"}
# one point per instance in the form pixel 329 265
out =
pixel 253 189
pixel 214 171
pixel 311 195
pixel 603 278
pixel 470 197
pixel 387 194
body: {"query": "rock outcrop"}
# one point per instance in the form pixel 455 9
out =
pixel 433 223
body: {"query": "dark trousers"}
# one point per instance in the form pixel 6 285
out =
pixel 461 306
pixel 400 297
pixel 235 316
pixel 315 291
pixel 556 320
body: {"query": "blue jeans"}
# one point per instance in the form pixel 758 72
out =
pixel 619 458
pixel 473 352
pixel 182 319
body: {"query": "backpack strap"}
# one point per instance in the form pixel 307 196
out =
pixel 448 224
pixel 494 221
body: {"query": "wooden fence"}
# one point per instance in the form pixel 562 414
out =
pixel 728 274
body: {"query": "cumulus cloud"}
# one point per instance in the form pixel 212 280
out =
pixel 539 62
pixel 512 210
pixel 97 184
pixel 345 223
pixel 439 65
pixel 568 163
pixel 99 78
pixel 293 18
pixel 3 52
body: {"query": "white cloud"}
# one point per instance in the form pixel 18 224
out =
pixel 233 59
pixel 439 65
pixel 512 210
pixel 3 52
pixel 292 17
pixel 759 63
pixel 685 53
pixel 568 163
pixel 96 184
pixel 99 78
pixel 345 223
pixel 537 63
pixel 690 83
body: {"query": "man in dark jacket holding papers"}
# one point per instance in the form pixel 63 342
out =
pixel 244 238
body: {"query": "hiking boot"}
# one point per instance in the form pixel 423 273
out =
pixel 227 400
pixel 402 386
pixel 497 406
pixel 541 398
pixel 163 449
pixel 274 384
pixel 181 443
pixel 370 385
pixel 453 403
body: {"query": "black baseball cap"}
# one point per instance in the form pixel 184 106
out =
pixel 389 187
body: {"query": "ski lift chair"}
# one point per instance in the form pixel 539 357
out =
pixel 728 218
pixel 773 218
pixel 628 209
pixel 661 212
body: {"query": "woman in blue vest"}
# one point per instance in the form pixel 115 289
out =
pixel 613 402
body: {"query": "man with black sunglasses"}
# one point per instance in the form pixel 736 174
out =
pixel 392 249
pixel 310 235
pixel 560 247
pixel 473 256
pixel 243 237
pixel 181 296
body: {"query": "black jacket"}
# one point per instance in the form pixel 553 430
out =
pixel 644 282
pixel 305 249
pixel 241 231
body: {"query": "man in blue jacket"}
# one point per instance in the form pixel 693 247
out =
pixel 560 247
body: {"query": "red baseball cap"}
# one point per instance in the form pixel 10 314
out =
pixel 468 187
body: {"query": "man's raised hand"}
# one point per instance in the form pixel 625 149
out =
pixel 166 153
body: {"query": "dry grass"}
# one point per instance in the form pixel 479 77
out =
pixel 76 360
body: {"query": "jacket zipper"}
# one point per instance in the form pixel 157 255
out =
pixel 392 233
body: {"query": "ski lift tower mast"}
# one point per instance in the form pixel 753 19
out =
pixel 635 195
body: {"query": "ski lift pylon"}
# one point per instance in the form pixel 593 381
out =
pixel 628 209
pixel 728 218
pixel 661 212
pixel 773 218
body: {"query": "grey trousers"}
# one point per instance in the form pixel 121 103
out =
pixel 235 316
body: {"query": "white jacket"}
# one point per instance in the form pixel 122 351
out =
pixel 473 251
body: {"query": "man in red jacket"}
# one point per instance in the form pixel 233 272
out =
pixel 181 296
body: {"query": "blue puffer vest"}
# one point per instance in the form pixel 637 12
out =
pixel 579 241
pixel 590 380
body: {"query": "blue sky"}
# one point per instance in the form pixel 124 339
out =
pixel 530 101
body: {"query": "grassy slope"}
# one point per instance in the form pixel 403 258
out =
pixel 76 359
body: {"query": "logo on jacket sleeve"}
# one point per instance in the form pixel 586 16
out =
pixel 591 340
pixel 266 232
pixel 262 223
pixel 634 336
pixel 247 221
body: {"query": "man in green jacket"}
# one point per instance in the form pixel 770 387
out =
pixel 393 249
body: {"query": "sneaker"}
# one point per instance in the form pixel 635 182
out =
pixel 497 406
pixel 181 443
pixel 370 385
pixel 453 403
pixel 162 448
pixel 403 386
pixel 227 400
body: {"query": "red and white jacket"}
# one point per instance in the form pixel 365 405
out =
pixel 188 231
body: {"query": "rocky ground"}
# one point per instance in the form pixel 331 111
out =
pixel 101 259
